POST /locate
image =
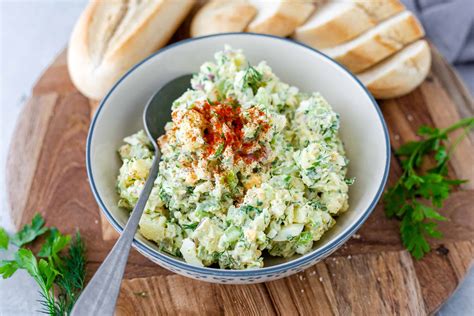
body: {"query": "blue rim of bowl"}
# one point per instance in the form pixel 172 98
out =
pixel 281 268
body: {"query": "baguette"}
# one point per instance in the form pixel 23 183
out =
pixel 112 36
pixel 279 17
pixel 336 21
pixel 399 74
pixel 378 43
pixel 220 16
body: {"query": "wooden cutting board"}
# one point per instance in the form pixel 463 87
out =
pixel 370 274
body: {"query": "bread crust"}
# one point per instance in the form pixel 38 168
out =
pixel 284 20
pixel 399 74
pixel 355 18
pixel 98 56
pixel 219 16
pixel 358 55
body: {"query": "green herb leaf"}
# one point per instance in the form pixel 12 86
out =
pixel 402 200
pixel 47 272
pixel 60 274
pixel 53 245
pixel 407 149
pixel 429 212
pixel 72 274
pixel 4 239
pixel 219 150
pixel 29 232
pixel 249 208
pixel 27 260
pixel 394 200
pixel 8 268
pixel 413 238
pixel 441 155
pixel 349 181
pixel 253 79
pixel 191 226
pixel 428 131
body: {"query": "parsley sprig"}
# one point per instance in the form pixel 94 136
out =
pixel 59 274
pixel 416 196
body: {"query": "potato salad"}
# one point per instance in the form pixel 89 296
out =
pixel 250 167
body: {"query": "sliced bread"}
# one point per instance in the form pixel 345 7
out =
pixel 379 10
pixel 399 74
pixel 337 21
pixel 221 16
pixel 378 43
pixel 279 17
pixel 112 36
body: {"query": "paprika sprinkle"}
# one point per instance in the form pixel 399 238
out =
pixel 225 129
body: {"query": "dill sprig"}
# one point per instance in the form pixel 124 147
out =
pixel 59 276
pixel 73 273
pixel 253 79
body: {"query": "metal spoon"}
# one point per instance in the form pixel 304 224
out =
pixel 100 295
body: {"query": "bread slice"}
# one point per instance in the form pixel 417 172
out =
pixel 378 43
pixel 338 21
pixel 279 17
pixel 112 36
pixel 221 16
pixel 399 74
pixel 380 9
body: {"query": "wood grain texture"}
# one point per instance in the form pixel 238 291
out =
pixel 370 274
pixel 25 152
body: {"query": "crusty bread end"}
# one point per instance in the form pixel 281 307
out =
pixel 399 74
pixel 112 36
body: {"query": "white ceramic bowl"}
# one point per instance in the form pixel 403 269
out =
pixel 363 131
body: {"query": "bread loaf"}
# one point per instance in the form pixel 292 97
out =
pixel 337 21
pixel 219 16
pixel 112 36
pixel 279 17
pixel 378 43
pixel 399 74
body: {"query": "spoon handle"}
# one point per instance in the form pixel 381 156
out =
pixel 100 295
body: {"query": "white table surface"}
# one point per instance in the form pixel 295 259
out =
pixel 31 34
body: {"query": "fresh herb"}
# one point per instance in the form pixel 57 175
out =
pixel 73 272
pixel 406 199
pixel 53 245
pixel 287 181
pixel 349 181
pixel 252 211
pixel 59 276
pixel 219 151
pixel 4 239
pixel 253 79
pixel 165 197
pixel 191 226
pixel 226 260
pixel 29 232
